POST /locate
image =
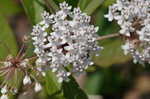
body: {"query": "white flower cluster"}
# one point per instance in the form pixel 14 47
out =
pixel 133 16
pixel 65 40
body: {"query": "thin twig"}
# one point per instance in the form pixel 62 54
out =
pixel 21 51
pixel 31 58
pixel 108 36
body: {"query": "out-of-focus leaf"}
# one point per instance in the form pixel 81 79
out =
pixel 108 2
pixel 59 0
pixel 83 3
pixel 33 9
pixel 112 53
pixel 92 6
pixel 53 7
pixel 104 80
pixel 94 83
pixel 9 7
pixel 72 90
pixel 73 3
pixel 8 44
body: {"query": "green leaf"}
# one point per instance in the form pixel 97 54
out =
pixel 73 3
pixel 92 6
pixel 33 9
pixel 59 1
pixel 105 81
pixel 108 2
pixel 53 88
pixel 51 5
pixel 9 7
pixel 112 53
pixel 8 44
pixel 83 3
pixel 72 90
pixel 94 82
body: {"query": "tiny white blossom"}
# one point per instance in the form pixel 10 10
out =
pixel 4 90
pixel 26 80
pixel 71 42
pixel 37 87
pixel 24 63
pixel 4 96
pixel 7 64
pixel 126 48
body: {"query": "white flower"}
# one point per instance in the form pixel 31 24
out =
pixel 26 80
pixel 4 96
pixel 24 63
pixel 126 48
pixel 71 42
pixel 4 90
pixel 7 64
pixel 133 16
pixel 37 87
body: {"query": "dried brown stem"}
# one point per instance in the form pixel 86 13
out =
pixel 108 36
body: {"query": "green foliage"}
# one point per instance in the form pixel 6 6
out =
pixel 104 80
pixel 72 2
pixel 83 3
pixel 92 6
pixel 112 53
pixel 72 90
pixel 52 87
pixel 52 6
pixel 8 44
pixel 9 7
pixel 33 9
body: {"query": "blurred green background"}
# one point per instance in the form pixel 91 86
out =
pixel 113 76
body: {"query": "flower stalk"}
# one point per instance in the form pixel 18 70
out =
pixel 108 36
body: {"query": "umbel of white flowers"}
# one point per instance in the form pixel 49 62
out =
pixel 65 40
pixel 133 17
